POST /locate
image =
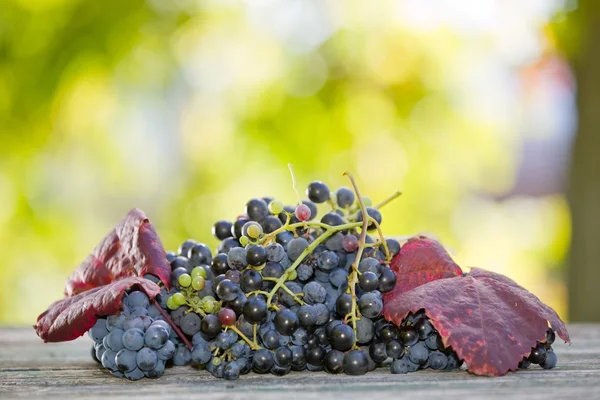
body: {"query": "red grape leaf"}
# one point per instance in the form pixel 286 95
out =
pixel 132 248
pixel 71 317
pixel 489 320
pixel 421 260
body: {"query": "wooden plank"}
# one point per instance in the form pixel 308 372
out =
pixel 32 369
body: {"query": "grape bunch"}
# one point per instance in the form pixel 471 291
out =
pixel 542 354
pixel 285 290
pixel 135 343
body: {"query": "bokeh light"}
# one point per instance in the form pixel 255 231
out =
pixel 186 109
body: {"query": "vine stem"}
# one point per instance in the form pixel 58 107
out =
pixel 330 230
pixel 170 321
pixel 353 279
pixel 394 196
pixel 252 344
pixel 383 242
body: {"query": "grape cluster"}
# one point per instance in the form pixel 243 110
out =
pixel 285 290
pixel 135 343
pixel 412 346
pixel 542 354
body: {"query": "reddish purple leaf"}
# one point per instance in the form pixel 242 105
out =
pixel 132 248
pixel 421 260
pixel 71 317
pixel 489 320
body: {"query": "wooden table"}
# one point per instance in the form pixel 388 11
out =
pixel 32 369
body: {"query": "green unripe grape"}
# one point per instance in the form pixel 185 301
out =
pixel 366 201
pixel 216 361
pixel 198 283
pixel 254 231
pixel 184 280
pixel 276 206
pixel 198 271
pixel 178 299
pixel 292 275
pixel 208 306
pixel 170 304
pixel 244 241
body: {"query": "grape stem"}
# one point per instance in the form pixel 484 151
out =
pixel 170 321
pixel 329 230
pixel 393 197
pixel 353 278
pixel 252 344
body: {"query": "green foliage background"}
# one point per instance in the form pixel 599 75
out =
pixel 187 109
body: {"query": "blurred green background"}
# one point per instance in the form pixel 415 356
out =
pixel 187 108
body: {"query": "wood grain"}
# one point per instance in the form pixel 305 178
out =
pixel 31 369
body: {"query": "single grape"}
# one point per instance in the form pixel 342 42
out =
pixel 332 219
pixel 222 229
pixel 236 228
pixel 307 316
pixel 378 352
pixel 178 299
pixel 158 371
pixel 327 260
pixel 114 340
pixel 438 360
pixel 166 352
pixel 314 293
pixel 286 322
pixel 368 281
pixel 296 247
pixel 275 207
pixel 126 360
pixel 538 354
pixel 211 326
pixel 252 230
pixel 370 305
pixel 275 252
pixel 156 337
pixel 137 299
pixel 283 357
pixel 344 197
pixel 236 258
pixel 373 213
pixel 146 359
pixel 114 321
pixel 201 353
pixel 200 254
pixel 185 247
pixel 302 212
pixel 190 323
pixel 108 359
pixel 257 209
pixel 256 255
pixel 315 355
pixel 550 361
pixel 408 335
pixel 262 361
pixel 227 316
pixel 387 280
pixel 333 362
pixel 99 330
pixel 365 330
pixel 317 192
pixel 226 290
pixel 418 353
pixel 402 366
pixel 184 280
pixel 181 262
pixel 350 243
pixel 355 363
pixel 226 245
pixel 393 247
pixel 550 337
pixel 394 349
pixel 182 355
pixel 198 283
pixel 250 280
pixel 342 337
pixel 218 266
pixel 133 339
